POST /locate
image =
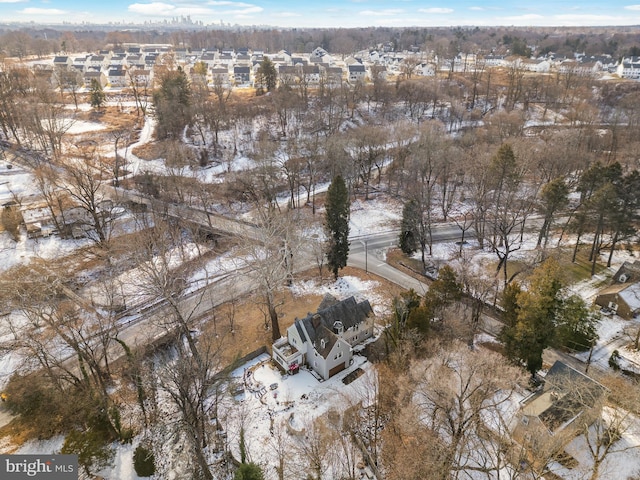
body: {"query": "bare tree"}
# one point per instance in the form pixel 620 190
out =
pixel 313 450
pixel 82 180
pixel 188 380
pixel 271 260
pixel 458 391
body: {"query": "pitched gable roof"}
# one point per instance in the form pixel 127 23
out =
pixel 567 392
pixel 327 301
pixel 348 312
pixel 630 270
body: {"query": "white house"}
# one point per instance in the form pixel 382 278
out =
pixel 629 68
pixel 426 69
pixel 357 73
pixel 117 77
pixel 97 61
pixel 323 341
pixel 495 60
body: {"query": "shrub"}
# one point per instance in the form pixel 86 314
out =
pixel 249 471
pixel 613 360
pixel 143 462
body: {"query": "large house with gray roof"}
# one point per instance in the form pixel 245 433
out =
pixel 324 340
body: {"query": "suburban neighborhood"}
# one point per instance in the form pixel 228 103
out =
pixel 413 256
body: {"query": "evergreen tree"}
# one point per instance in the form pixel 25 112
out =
pixel 172 104
pixel 577 324
pixel 443 292
pixel 510 318
pixel 143 462
pixel 337 225
pixel 410 228
pixel 538 308
pixel 249 471
pixel 96 94
pixel 267 76
pixel 420 319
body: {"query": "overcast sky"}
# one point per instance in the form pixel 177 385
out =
pixel 331 13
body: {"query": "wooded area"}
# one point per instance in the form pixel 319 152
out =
pixel 500 152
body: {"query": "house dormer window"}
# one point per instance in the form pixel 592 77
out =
pixel 323 343
pixel 338 327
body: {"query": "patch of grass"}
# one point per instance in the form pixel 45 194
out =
pixel 579 270
pixel 151 151
pixel 248 314
pixel 408 265
pixel 516 269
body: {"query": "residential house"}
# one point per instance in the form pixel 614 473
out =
pixel 606 62
pixel 241 75
pixel 62 61
pixel 378 72
pixel 98 61
pixel 357 73
pixel 278 60
pixel 536 65
pixel 629 68
pixel 135 61
pixel 288 74
pixel 37 221
pixel 182 53
pixel 117 77
pixel 243 58
pixel 622 298
pixel 209 58
pixel 225 58
pixel 80 63
pixel 319 52
pixel 140 77
pixel 495 60
pixel 324 340
pixel 426 70
pixel 285 55
pixel 96 75
pixel 552 411
pixel 388 47
pixel 333 75
pixel 220 75
pixel 628 272
pixel 150 60
pixel 311 74
pixel 120 60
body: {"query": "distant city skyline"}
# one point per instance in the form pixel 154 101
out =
pixel 329 13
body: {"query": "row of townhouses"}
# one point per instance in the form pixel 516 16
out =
pixel 121 67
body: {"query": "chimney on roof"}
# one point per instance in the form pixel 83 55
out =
pixel 316 320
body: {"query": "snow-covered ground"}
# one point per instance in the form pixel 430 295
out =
pixel 82 126
pixel 623 460
pixel 276 408
pixel 377 215
pixel 342 288
pixel 122 465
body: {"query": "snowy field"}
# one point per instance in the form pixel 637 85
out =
pixel 380 214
